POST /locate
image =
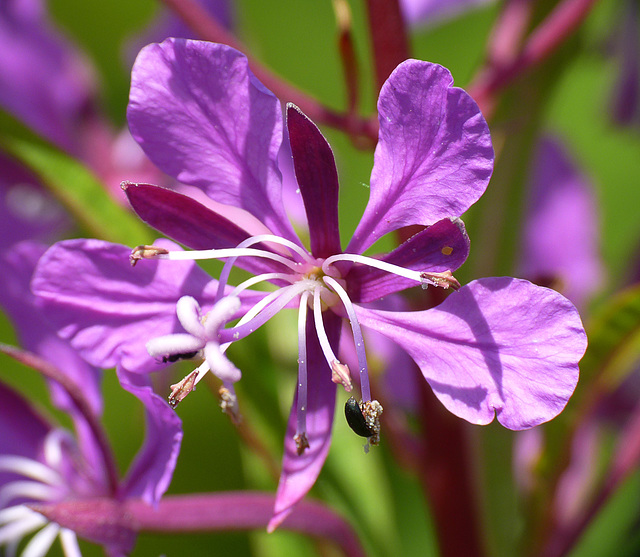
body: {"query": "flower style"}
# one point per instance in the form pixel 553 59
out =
pixel 497 346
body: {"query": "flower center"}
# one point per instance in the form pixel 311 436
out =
pixel 317 284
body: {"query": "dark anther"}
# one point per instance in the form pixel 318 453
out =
pixel 176 357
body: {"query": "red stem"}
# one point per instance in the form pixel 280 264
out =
pixel 207 28
pixel 543 41
pixel 446 475
pixel 388 37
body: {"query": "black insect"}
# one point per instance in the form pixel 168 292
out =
pixel 176 357
pixel 356 419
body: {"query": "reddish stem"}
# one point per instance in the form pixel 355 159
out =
pixel 388 37
pixel 543 41
pixel 207 28
pixel 445 473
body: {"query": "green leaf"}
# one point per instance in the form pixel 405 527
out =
pixel 74 185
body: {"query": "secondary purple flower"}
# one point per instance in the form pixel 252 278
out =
pixel 498 346
pixel 43 466
pixel 43 81
pixel 560 245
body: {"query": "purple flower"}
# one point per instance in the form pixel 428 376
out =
pixel 43 81
pixel 560 246
pixel 43 466
pixel 497 346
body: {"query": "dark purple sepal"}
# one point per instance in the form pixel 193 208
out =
pixel 102 521
pixel 441 247
pixel 182 218
pixel 317 177
pixel 190 223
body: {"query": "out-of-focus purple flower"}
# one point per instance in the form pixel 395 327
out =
pixel 561 229
pixel 497 346
pixel 27 211
pixel 427 12
pixel 43 81
pixel 44 465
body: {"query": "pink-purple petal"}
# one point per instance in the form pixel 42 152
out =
pixel 434 156
pixel 317 177
pixel 34 334
pixel 187 221
pixel 22 429
pixel 299 472
pixel 107 309
pixel 498 346
pixel 150 474
pixel 203 118
pixel 441 247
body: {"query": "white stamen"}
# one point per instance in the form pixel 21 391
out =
pixel 14 513
pixel 228 252
pixel 17 529
pixel 262 278
pixel 320 330
pixel 53 446
pixel 40 544
pixel 358 339
pixel 371 262
pixel 30 469
pixel 69 542
pixel 28 490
